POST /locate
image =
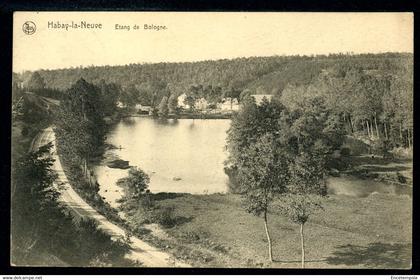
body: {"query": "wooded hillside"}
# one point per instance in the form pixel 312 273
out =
pixel 370 93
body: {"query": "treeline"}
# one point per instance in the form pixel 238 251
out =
pixel 42 230
pixel 80 125
pixel 150 82
pixel 371 93
pixel 372 104
pixel 80 128
pixel 34 84
pixel 239 73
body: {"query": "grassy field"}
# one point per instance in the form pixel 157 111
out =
pixel 213 230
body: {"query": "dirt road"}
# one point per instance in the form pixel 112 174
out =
pixel 146 254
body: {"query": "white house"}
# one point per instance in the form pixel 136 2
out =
pixel 181 101
pixel 201 104
pixel 259 98
pixel 143 108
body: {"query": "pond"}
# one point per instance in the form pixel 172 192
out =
pixel 182 155
pixel 187 156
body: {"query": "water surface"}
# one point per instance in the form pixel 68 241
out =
pixel 179 155
pixel 187 156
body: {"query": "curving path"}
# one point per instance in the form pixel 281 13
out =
pixel 141 251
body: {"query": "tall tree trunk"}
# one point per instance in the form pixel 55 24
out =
pixel 351 124
pixel 302 242
pixel 345 121
pixel 270 251
pixel 83 109
pixel 401 136
pixel 86 171
pixel 409 138
pixel 371 129
pixel 376 126
pixel 368 130
pixel 83 167
pixel 386 131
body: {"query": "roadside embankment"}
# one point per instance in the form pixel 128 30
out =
pixel 142 252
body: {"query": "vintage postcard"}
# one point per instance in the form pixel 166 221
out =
pixel 212 139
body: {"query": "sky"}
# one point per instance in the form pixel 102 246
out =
pixel 201 36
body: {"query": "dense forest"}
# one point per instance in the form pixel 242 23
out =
pixel 371 93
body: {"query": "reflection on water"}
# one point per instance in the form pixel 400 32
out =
pixel 187 156
pixel 179 155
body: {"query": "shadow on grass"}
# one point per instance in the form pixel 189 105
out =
pixel 180 220
pixel 374 255
pixel 376 168
pixel 166 195
pixel 298 261
pixel 376 160
pixel 170 222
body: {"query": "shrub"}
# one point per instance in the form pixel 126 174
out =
pixel 137 217
pixel 381 147
pixel 165 217
pixel 233 184
pixel 146 201
pixel 25 131
pixel 191 236
pixel 401 178
pixel 137 182
pixel 402 153
pixel 345 151
pixel 356 145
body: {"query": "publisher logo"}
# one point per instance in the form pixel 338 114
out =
pixel 29 28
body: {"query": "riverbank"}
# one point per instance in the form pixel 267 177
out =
pixel 214 231
pixel 394 171
pixel 203 116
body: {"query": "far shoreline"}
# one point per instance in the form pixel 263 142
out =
pixel 182 116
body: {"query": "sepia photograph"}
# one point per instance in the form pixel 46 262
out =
pixel 212 140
